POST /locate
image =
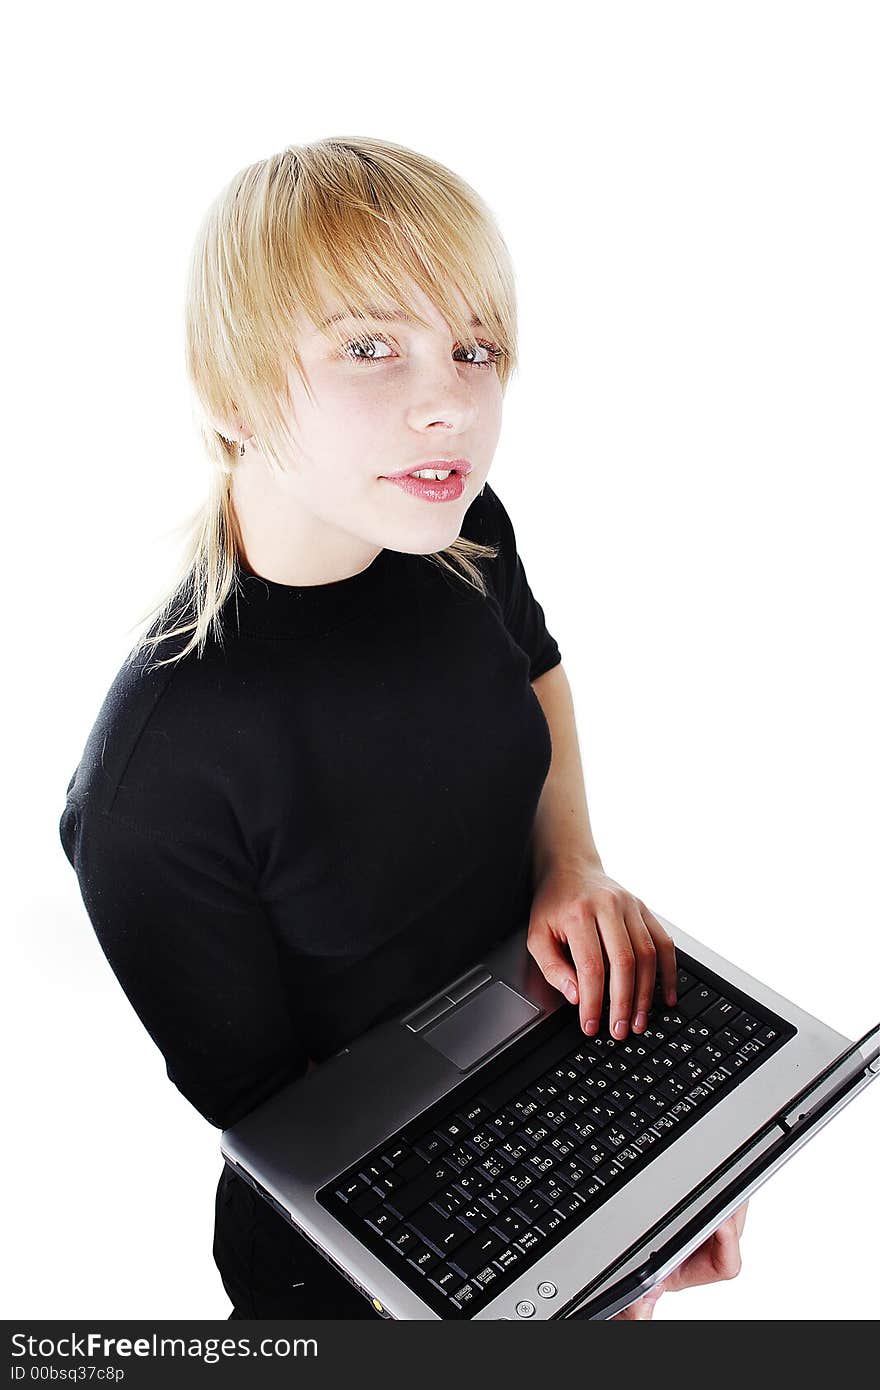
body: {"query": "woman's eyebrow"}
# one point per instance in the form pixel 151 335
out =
pixel 376 311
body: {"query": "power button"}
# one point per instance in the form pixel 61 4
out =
pixel 526 1308
pixel 547 1290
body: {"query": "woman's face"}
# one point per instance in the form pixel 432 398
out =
pixel 393 396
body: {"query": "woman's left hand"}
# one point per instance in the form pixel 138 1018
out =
pixel 583 908
pixel 717 1258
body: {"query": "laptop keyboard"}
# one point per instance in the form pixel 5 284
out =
pixel 467 1196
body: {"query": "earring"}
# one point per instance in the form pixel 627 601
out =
pixel 240 448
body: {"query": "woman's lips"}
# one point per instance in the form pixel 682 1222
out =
pixel 430 489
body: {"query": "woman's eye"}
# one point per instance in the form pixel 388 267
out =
pixel 492 354
pixel 365 343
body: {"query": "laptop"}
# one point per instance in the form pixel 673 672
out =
pixel 480 1157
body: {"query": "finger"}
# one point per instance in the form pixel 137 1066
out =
pixel 643 1308
pixel 551 958
pixel 646 967
pixel 665 948
pixel 622 963
pixel 717 1258
pixel 583 942
pixel 739 1217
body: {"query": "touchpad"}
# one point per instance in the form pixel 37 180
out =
pixel 480 1025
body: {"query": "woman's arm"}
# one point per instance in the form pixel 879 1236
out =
pixel 561 832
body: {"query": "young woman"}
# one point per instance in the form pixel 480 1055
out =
pixel 341 760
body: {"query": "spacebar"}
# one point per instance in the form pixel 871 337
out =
pixel 534 1064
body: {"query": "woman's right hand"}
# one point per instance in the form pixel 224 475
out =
pixel 717 1258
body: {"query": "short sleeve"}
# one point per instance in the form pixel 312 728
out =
pixel 193 951
pixel 522 613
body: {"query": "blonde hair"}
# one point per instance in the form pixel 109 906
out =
pixel 370 215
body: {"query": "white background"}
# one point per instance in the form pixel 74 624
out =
pixel 689 456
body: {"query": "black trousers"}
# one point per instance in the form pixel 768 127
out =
pixel 268 1270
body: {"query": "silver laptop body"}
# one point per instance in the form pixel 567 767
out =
pixel 295 1148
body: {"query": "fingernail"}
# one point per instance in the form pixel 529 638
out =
pixel 620 1027
pixel 571 993
pixel 670 996
pixel 592 1025
pixel 640 1022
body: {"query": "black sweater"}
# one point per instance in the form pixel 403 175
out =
pixel 319 821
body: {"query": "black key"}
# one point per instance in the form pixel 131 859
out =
pixel 502 1123
pixel 423 1258
pixel 717 1078
pixel 518 1179
pixel 610 1172
pixel 382 1220
pixel 476 1252
pixel 487 1276
pixel 603 1113
pixel 684 981
pixel 449 1202
pixel 524 1107
pixel 496 1198
pixel 530 1206
pixel 444 1278
pixel 507 1257
pixel 481 1140
pixel 581 1130
pixel 645 1141
pixel 614 1137
pixel 745 1024
pixel 720 1014
pixel 766 1035
pixel 465 1294
pixel 663 1124
pixel 431 1146
pixel 544 1092
pixel 671 1087
pixel 403 1240
pixel 395 1155
pixel 475 1216
pixel 493 1166
pixel 531 1238
pixel 572 1205
pixel 652 1104
pixel 372 1172
pixel 514 1149
pixel 541 1162
pixel 454 1130
pixel 671 1020
pixel 708 1055
pixel 633 1121
pixel 472 1182
pixel 627 1155
pixel 681 1108
pixel 593 1154
pixel 696 1000
pixel 353 1188
pixel 475 1113
pixel 536 1131
pixel 556 1115
pixel 406 1199
pixel 510 1226
pixel 364 1202
pixel 459 1157
pixel 553 1189
pixel 443 1232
